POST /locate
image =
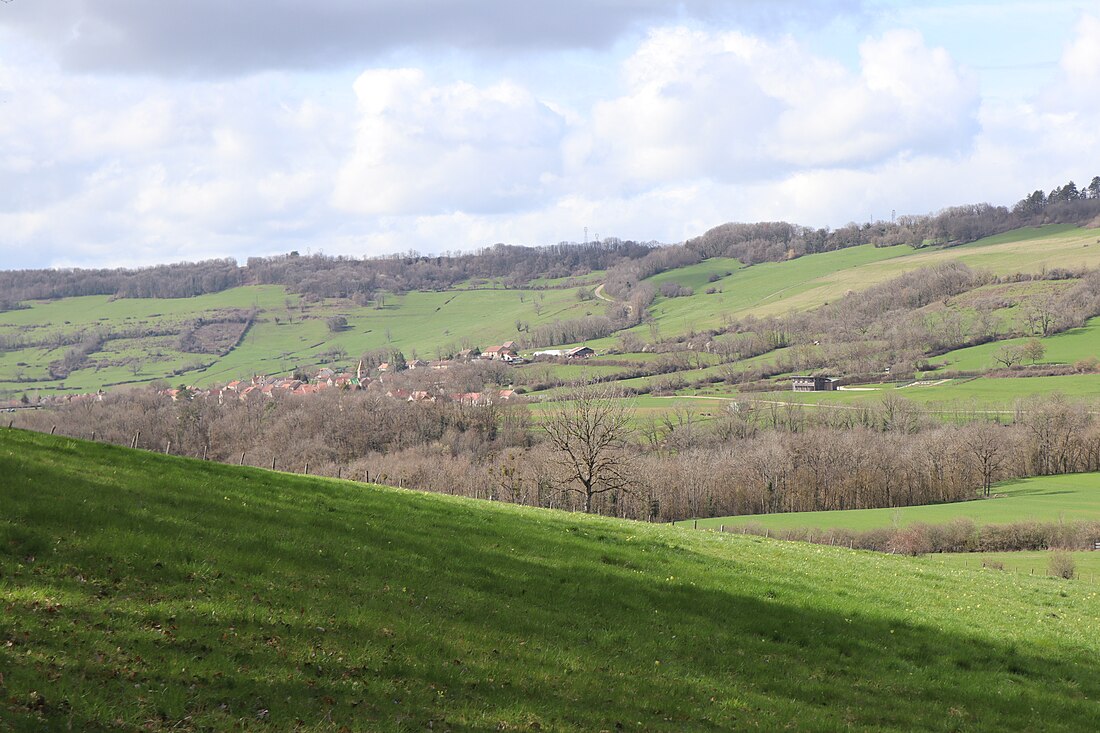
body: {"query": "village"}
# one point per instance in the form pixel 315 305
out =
pixel 375 378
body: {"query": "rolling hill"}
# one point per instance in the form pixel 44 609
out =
pixel 153 592
pixel 284 331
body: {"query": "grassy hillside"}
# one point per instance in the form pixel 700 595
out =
pixel 289 333
pixel 774 288
pixel 145 591
pixel 1063 348
pixel 1045 498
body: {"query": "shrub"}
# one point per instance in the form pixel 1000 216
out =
pixel 1062 565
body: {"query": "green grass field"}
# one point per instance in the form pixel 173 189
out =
pixel 421 323
pixel 1063 348
pixel 142 591
pixel 953 396
pixel 1045 498
pixel 1035 563
pixel 289 333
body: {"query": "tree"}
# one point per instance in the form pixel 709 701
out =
pixel 336 323
pixel 1094 188
pixel 589 435
pixel 1033 350
pixel 985 445
pixel 1008 355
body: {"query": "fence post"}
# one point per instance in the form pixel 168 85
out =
pixel 339 471
pixel 93 436
pixel 136 436
pixel 766 533
pixel 721 528
pixel 242 460
pixel 272 463
pixel 306 471
pixel 695 524
pixel 10 423
pixel 53 430
pixel 204 452
pixel 168 448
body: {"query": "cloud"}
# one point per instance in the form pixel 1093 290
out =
pixel 214 37
pixel 424 149
pixel 678 130
pixel 733 107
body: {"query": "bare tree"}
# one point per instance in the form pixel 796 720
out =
pixel 589 434
pixel 1034 350
pixel 986 447
pixel 1008 355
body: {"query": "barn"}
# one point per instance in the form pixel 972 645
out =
pixel 813 384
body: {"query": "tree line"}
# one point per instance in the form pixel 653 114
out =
pixel 627 262
pixel 752 459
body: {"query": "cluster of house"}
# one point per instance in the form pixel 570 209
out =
pixel 325 379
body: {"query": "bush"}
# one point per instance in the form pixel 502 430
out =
pixel 1062 565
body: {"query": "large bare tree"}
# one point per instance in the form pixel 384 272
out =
pixel 589 434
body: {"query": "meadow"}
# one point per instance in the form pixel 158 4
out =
pixel 289 333
pixel 965 396
pixel 154 592
pixel 774 288
pixel 1031 563
pixel 1068 347
pixel 1043 498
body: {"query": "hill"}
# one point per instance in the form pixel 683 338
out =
pixel 80 344
pixel 153 592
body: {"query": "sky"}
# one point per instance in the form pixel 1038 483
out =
pixel 135 132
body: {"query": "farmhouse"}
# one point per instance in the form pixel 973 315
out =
pixel 505 352
pixel 580 352
pixel 813 384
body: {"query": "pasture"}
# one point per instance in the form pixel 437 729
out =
pixel 1036 563
pixel 144 591
pixel 1043 498
pixel 1068 347
pixel 288 332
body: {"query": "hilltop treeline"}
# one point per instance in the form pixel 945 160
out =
pixel 180 280
pixel 346 277
pixel 753 459
pixel 777 241
pixel 322 276
pixel 628 262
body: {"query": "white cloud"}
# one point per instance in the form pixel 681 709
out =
pixel 737 108
pixel 427 149
pixel 698 126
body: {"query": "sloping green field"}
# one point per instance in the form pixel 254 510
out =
pixel 773 288
pixel 289 333
pixel 1045 498
pixel 1063 348
pixel 148 592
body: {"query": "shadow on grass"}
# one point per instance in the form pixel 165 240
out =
pixel 296 599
